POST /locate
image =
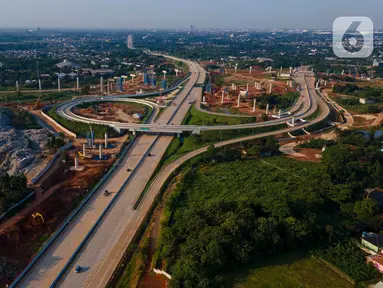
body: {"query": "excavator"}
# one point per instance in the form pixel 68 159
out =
pixel 37 215
pixel 80 155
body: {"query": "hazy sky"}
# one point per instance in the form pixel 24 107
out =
pixel 180 13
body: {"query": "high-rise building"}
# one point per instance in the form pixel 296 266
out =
pixel 191 28
pixel 130 42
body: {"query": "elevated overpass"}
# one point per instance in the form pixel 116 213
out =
pixel 66 110
pixel 96 224
pixel 97 236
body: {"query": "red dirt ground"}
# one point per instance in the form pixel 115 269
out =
pixel 24 237
pixel 214 99
pixel 111 112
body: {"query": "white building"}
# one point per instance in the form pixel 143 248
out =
pixel 130 42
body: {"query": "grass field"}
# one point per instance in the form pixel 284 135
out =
pixel 313 116
pixel 247 179
pixel 177 148
pixel 251 181
pixel 196 117
pixel 81 129
pixel 289 270
pixel 352 105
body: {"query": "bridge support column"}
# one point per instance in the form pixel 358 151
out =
pixel 100 151
pixel 76 163
pixel 77 166
pixel 106 140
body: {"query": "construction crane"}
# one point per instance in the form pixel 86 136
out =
pixel 37 105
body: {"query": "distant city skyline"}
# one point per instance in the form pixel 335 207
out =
pixel 174 14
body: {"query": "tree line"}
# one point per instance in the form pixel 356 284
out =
pixel 228 211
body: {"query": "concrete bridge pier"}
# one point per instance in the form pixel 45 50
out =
pixel 106 140
pixel 100 151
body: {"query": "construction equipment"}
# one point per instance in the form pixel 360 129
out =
pixel 82 157
pixel 37 105
pixel 38 215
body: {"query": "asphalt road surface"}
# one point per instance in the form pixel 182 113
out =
pixel 112 236
pixel 44 272
pixel 65 111
pixel 107 245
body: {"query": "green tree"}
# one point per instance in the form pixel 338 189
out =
pixel 255 150
pixel 367 212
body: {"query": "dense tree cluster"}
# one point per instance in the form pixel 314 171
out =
pixel 214 233
pixel 350 259
pixel 226 214
pixel 280 101
pixel 12 190
pixel 56 142
pixel 370 93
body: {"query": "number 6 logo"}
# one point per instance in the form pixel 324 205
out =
pixel 353 37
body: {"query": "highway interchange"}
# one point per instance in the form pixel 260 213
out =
pixel 100 250
pixel 66 110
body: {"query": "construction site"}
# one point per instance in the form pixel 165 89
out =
pixel 113 111
pixel 149 79
pixel 137 83
pixel 59 177
pixel 238 91
pixel 62 170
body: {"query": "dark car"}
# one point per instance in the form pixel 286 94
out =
pixel 78 269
